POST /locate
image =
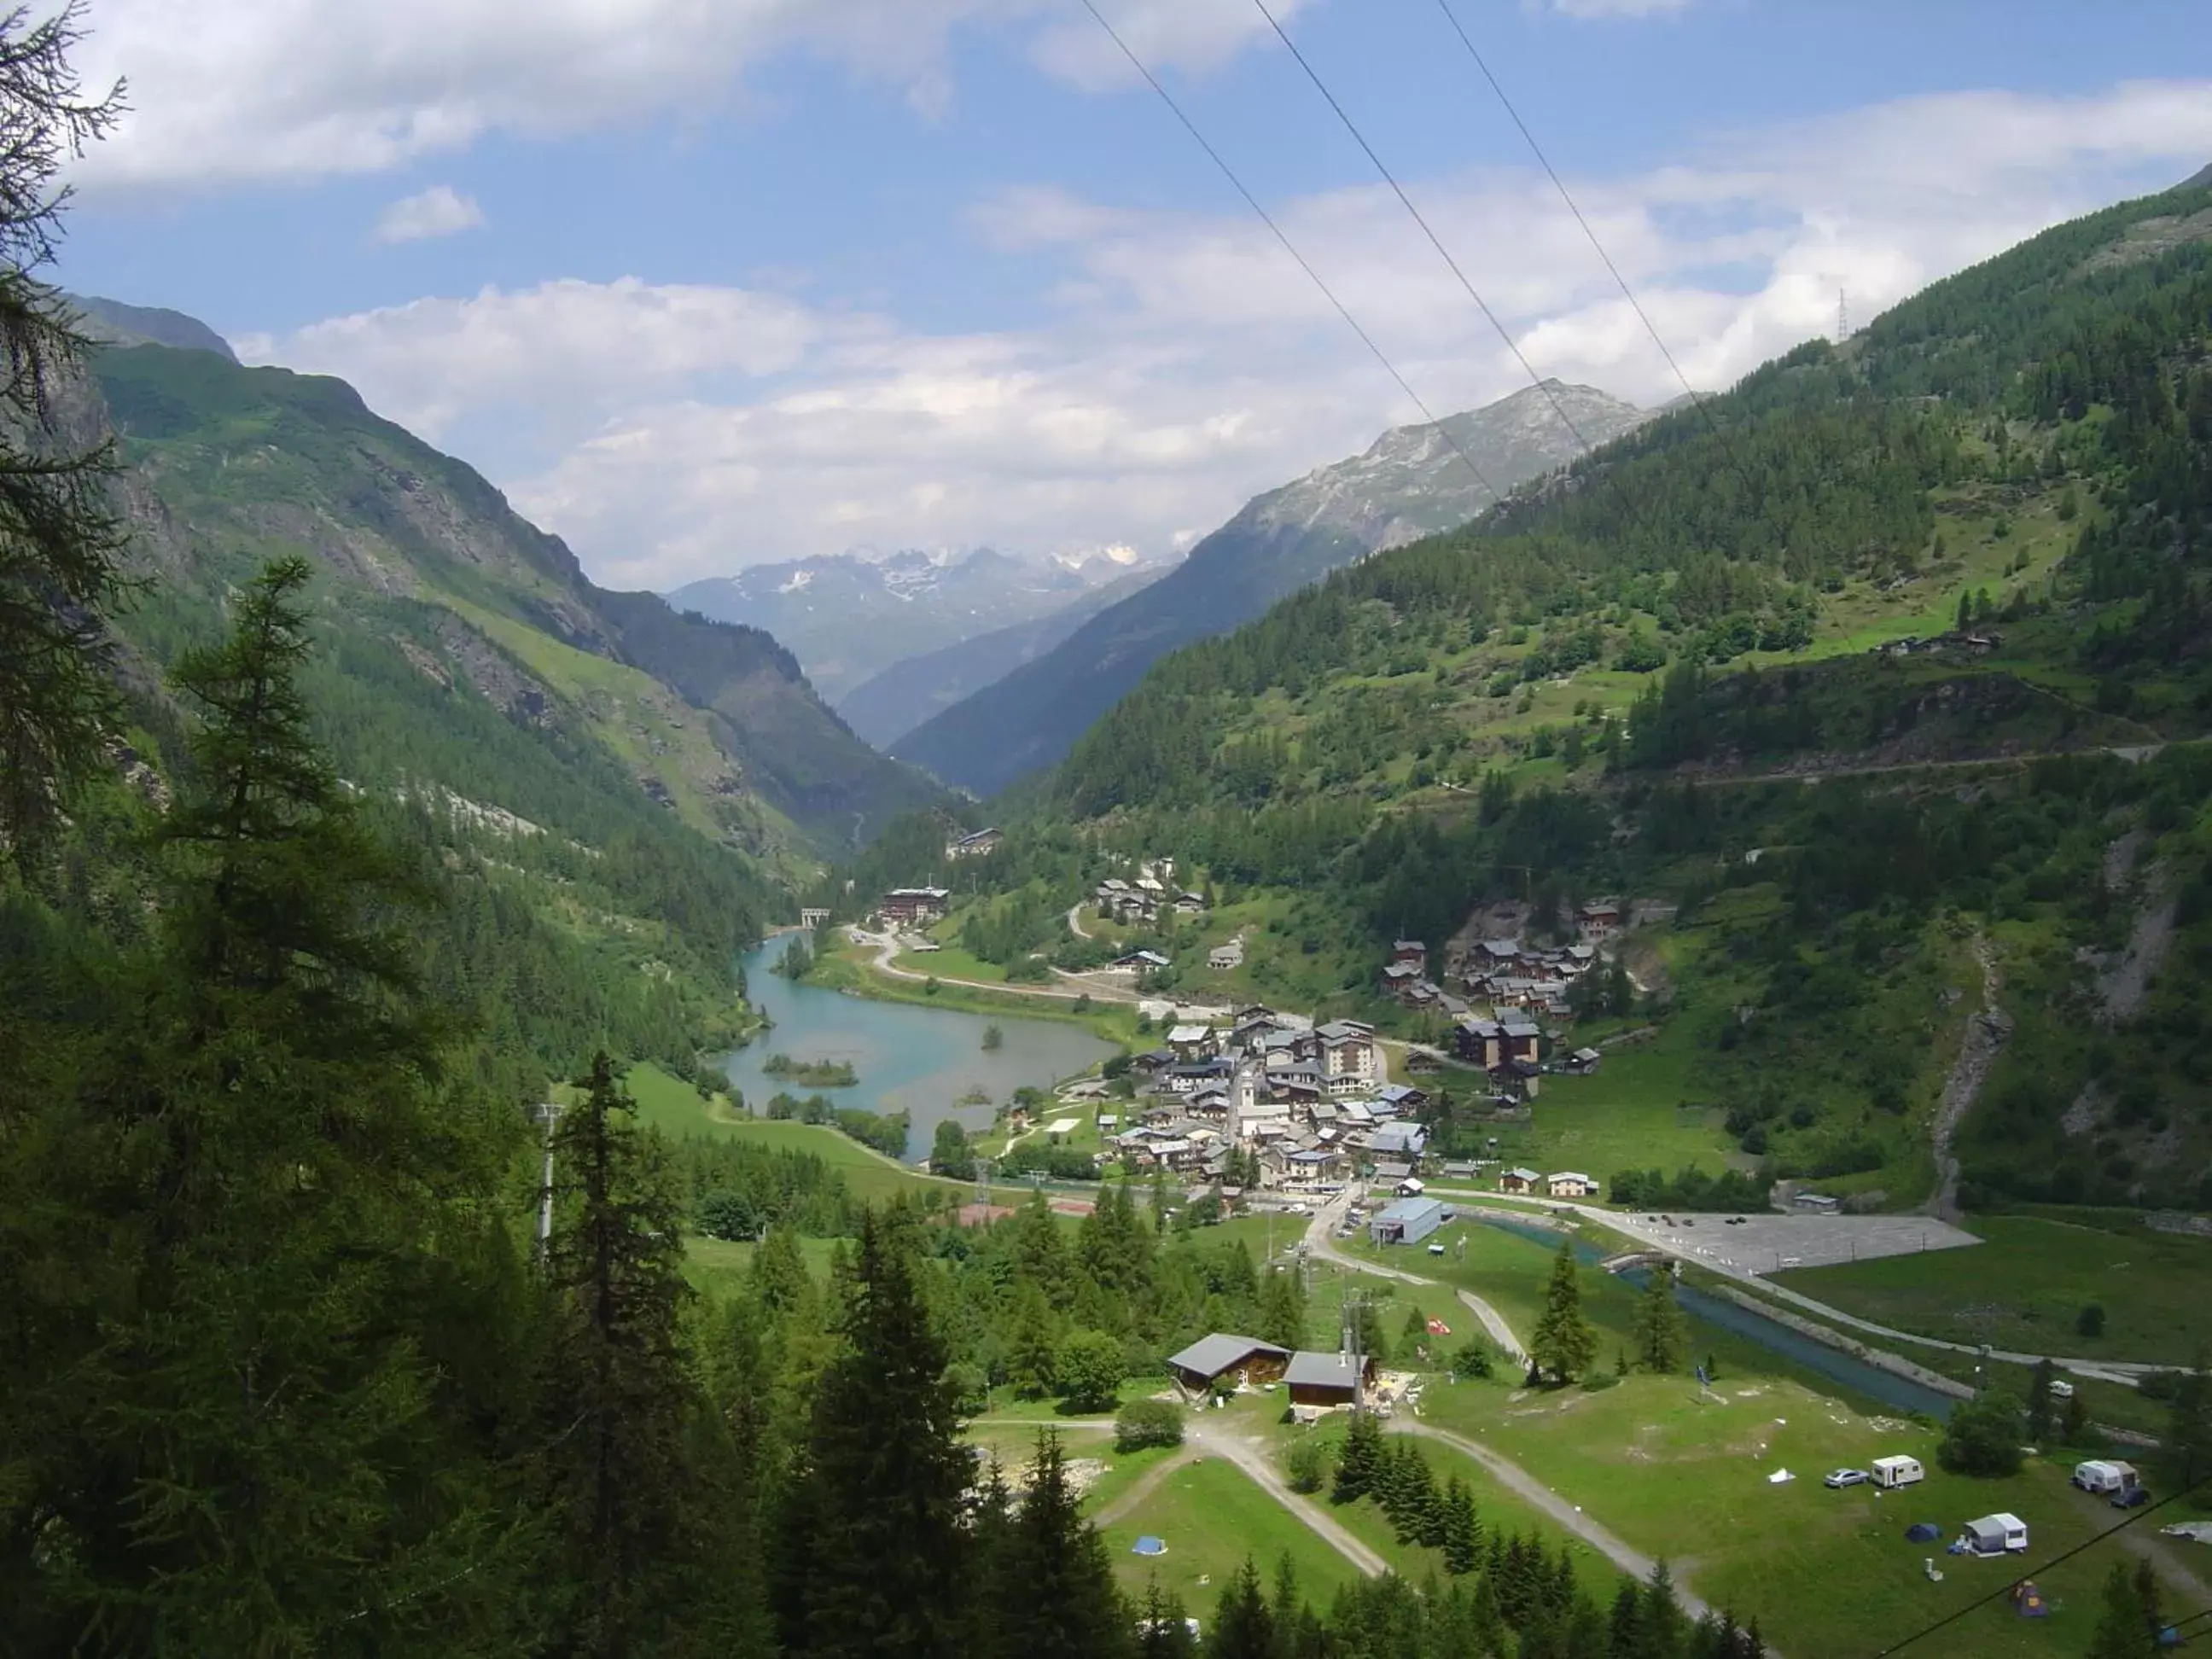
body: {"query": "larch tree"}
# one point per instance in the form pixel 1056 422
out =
pixel 61 541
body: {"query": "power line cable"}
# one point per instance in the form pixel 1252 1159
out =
pixel 2133 1516
pixel 1558 184
pixel 1290 248
pixel 1435 241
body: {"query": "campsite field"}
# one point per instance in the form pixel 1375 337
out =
pixel 2025 1287
pixel 1824 1572
pixel 1211 1516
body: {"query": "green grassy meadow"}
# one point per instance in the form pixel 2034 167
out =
pixel 2026 1289
pixel 1213 1516
pixel 1826 1573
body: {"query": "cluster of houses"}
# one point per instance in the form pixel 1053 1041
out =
pixel 1150 895
pixel 1308 1103
pixel 1505 972
pixel 980 845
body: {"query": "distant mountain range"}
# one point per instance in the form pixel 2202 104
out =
pixel 1412 483
pixel 906 694
pixel 848 616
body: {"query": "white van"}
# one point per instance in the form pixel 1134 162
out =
pixel 2104 1477
pixel 1892 1473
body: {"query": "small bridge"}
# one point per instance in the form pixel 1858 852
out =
pixel 1627 1259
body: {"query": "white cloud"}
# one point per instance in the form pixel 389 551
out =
pixel 1187 364
pixel 224 90
pixel 440 210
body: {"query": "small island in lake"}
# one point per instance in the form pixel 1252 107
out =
pixel 813 1073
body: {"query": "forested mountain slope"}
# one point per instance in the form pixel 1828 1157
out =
pixel 1410 482
pixel 613 798
pixel 715 721
pixel 1955 568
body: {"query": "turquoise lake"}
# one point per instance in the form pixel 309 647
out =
pixel 910 1058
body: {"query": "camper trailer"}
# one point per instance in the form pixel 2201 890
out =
pixel 2001 1534
pixel 1891 1473
pixel 2105 1477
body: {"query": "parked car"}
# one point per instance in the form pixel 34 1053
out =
pixel 1838 1479
pixel 2131 1497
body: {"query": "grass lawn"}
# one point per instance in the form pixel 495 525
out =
pixel 1213 1516
pixel 1628 1115
pixel 674 1107
pixel 2027 1286
pixel 717 1266
pixel 1823 1572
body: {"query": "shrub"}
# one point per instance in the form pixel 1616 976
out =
pixel 1476 1357
pixel 1306 1462
pixel 2091 1321
pixel 1143 1423
pixel 1593 1381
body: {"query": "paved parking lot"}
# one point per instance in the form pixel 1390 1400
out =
pixel 1769 1243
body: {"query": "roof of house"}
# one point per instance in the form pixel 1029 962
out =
pixel 1518 1174
pixel 1388 1171
pixel 1400 970
pixel 1211 1355
pixel 1413 1209
pixel 1190 1033
pixel 1326 1371
pixel 1398 1093
pixel 1399 1138
pixel 940 894
pixel 1587 1054
pixel 1501 948
pixel 1573 1175
pixel 1520 1028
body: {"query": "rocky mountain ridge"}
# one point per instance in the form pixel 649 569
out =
pixel 1412 482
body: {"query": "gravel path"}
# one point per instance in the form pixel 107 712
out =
pixel 1249 1454
pixel 1320 1245
pixel 1144 1487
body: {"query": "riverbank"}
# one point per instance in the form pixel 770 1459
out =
pixel 843 966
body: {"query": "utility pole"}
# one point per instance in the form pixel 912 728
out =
pixel 548 1114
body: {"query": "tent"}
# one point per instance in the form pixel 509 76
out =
pixel 1148 1545
pixel 1923 1532
pixel 2027 1600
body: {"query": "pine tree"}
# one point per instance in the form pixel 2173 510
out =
pixel 1244 1627
pixel 1052 1588
pixel 1563 1344
pixel 1163 1626
pixel 620 1390
pixel 1359 1469
pixel 2122 1632
pixel 1283 1310
pixel 1660 1331
pixel 278 1207
pixel 1462 1532
pixel 873 1557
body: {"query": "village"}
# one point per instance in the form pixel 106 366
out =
pixel 1248 1105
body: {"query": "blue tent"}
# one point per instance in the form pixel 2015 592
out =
pixel 1922 1532
pixel 1148 1545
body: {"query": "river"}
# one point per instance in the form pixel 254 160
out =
pixel 1899 1392
pixel 910 1058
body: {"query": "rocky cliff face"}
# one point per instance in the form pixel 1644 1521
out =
pixel 1413 482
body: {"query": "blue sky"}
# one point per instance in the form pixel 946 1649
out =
pixel 702 286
